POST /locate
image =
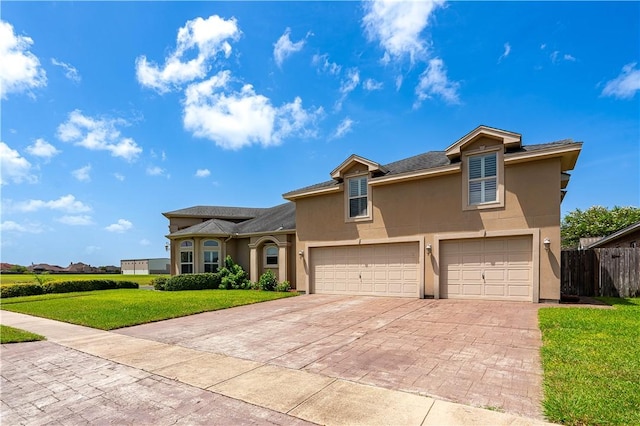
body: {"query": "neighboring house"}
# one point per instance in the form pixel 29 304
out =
pixel 479 220
pixel 625 237
pixel 45 267
pixel 145 266
pixel 81 268
pixel 258 239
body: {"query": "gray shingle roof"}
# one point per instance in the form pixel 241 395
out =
pixel 281 217
pixel 218 212
pixel 429 160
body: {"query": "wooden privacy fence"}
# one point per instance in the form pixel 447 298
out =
pixel 601 272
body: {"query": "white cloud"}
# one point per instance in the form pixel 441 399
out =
pixel 13 167
pixel 507 51
pixel 20 70
pixel 66 203
pixel 119 176
pixel 543 46
pixel 569 58
pixel 155 171
pixel 347 86
pixel 343 128
pixel 98 134
pixel 121 226
pixel 434 82
pixel 397 26
pixel 206 38
pixel 82 174
pixel 371 85
pixel 80 220
pixel 284 47
pixel 323 64
pixel 625 85
pixel 69 70
pixel 201 173
pixel 145 242
pixel 235 119
pixel 11 226
pixel 42 148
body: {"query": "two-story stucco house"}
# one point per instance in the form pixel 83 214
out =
pixel 479 220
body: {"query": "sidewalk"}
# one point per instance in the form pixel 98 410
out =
pixel 306 396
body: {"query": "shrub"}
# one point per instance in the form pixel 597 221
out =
pixel 232 276
pixel 18 290
pixel 284 286
pixel 206 281
pixel 268 281
pixel 63 287
pixel 159 282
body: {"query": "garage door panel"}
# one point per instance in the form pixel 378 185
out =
pixel 491 268
pixel 380 269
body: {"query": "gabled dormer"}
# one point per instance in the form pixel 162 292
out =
pixel 357 165
pixel 480 138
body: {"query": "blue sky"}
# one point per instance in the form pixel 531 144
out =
pixel 113 113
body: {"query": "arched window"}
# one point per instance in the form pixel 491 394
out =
pixel 270 256
pixel 211 255
pixel 186 257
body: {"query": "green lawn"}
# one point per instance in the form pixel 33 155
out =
pixel 591 361
pixel 30 279
pixel 109 309
pixel 15 335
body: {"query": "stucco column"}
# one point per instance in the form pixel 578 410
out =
pixel 253 264
pixel 282 263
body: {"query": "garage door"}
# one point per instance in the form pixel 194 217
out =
pixel 487 268
pixel 376 269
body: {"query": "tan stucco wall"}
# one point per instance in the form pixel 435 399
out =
pixel 433 206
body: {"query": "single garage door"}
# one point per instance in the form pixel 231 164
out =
pixel 375 269
pixel 487 268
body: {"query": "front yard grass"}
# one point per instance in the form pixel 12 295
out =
pixel 15 335
pixel 31 278
pixel 591 362
pixel 110 309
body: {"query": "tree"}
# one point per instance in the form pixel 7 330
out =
pixel 596 221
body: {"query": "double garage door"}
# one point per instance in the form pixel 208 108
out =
pixel 372 269
pixel 480 268
pixel 487 268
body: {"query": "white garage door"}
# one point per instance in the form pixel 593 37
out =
pixel 487 268
pixel 376 269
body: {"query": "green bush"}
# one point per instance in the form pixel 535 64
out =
pixel 159 282
pixel 284 286
pixel 233 277
pixel 268 281
pixel 206 281
pixel 18 290
pixel 63 287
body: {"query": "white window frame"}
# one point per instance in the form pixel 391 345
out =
pixel 348 197
pixel 267 256
pixel 498 179
pixel 210 249
pixel 186 247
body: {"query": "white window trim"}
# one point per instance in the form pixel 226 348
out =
pixel 207 248
pixel 184 249
pixel 499 202
pixel 347 198
pixel 264 250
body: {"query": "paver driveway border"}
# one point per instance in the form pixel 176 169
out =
pixel 309 396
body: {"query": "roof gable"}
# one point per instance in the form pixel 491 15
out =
pixel 510 140
pixel 372 166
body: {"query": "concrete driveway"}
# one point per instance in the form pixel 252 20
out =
pixel 484 354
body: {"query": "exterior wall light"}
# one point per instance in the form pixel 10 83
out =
pixel 547 243
pixel 301 253
pixel 429 249
pixel 166 246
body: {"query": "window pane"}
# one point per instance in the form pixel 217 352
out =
pixel 272 251
pixel 211 243
pixel 186 244
pixel 475 167
pixel 475 192
pixel 358 207
pixel 363 186
pixel 490 165
pixel 272 260
pixel 490 193
pixel 186 269
pixel 186 256
pixel 208 267
pixel 211 256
